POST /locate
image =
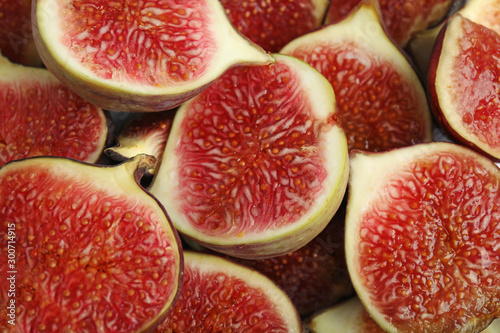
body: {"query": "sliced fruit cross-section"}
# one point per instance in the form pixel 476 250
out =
pixel 256 165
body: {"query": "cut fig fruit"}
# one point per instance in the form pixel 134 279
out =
pixel 348 316
pixel 380 98
pixel 402 18
pixel 139 56
pixel 221 296
pixel 41 116
pixel 314 276
pixel 463 84
pixel 422 237
pixel 272 24
pixel 16 36
pixel 144 133
pixel 256 165
pixel 85 248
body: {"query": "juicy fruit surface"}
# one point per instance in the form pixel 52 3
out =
pixel 48 119
pixel 170 41
pixel 476 74
pixel 215 301
pixel 254 163
pixel 429 245
pixel 86 260
pixel 382 110
pixel 271 24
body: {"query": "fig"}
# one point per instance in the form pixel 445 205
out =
pixel 402 18
pixel 139 56
pixel 221 296
pixel 41 116
pixel 350 316
pixel 86 248
pixel 272 24
pixel 380 99
pixel 144 133
pixel 16 36
pixel 422 237
pixel 256 165
pixel 463 84
pixel 314 276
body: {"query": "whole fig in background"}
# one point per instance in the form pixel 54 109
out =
pixel 86 249
pixel 256 165
pixel 41 116
pixel 139 56
pixel 422 242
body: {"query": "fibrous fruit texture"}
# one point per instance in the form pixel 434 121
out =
pixel 221 296
pixel 255 166
pixel 139 56
pixel 463 84
pixel 422 237
pixel 41 116
pixel 272 24
pixel 380 99
pixel 86 249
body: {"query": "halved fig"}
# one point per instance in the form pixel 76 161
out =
pixel 256 165
pixel 144 133
pixel 85 248
pixel 16 36
pixel 348 316
pixel 422 237
pixel 139 56
pixel 314 276
pixel 221 296
pixel 41 116
pixel 380 99
pixel 402 18
pixel 272 24
pixel 463 84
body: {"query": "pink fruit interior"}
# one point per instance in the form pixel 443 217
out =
pixel 250 153
pixel 149 42
pixel 85 260
pixel 271 24
pixel 378 108
pixel 476 75
pixel 47 119
pixel 430 248
pixel 218 302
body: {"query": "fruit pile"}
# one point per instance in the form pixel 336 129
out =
pixel 250 166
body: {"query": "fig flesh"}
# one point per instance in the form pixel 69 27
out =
pixel 272 24
pixel 16 36
pixel 41 116
pixel 256 165
pixel 402 18
pixel 139 56
pixel 422 237
pixel 88 249
pixel 463 84
pixel 380 99
pixel 221 296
